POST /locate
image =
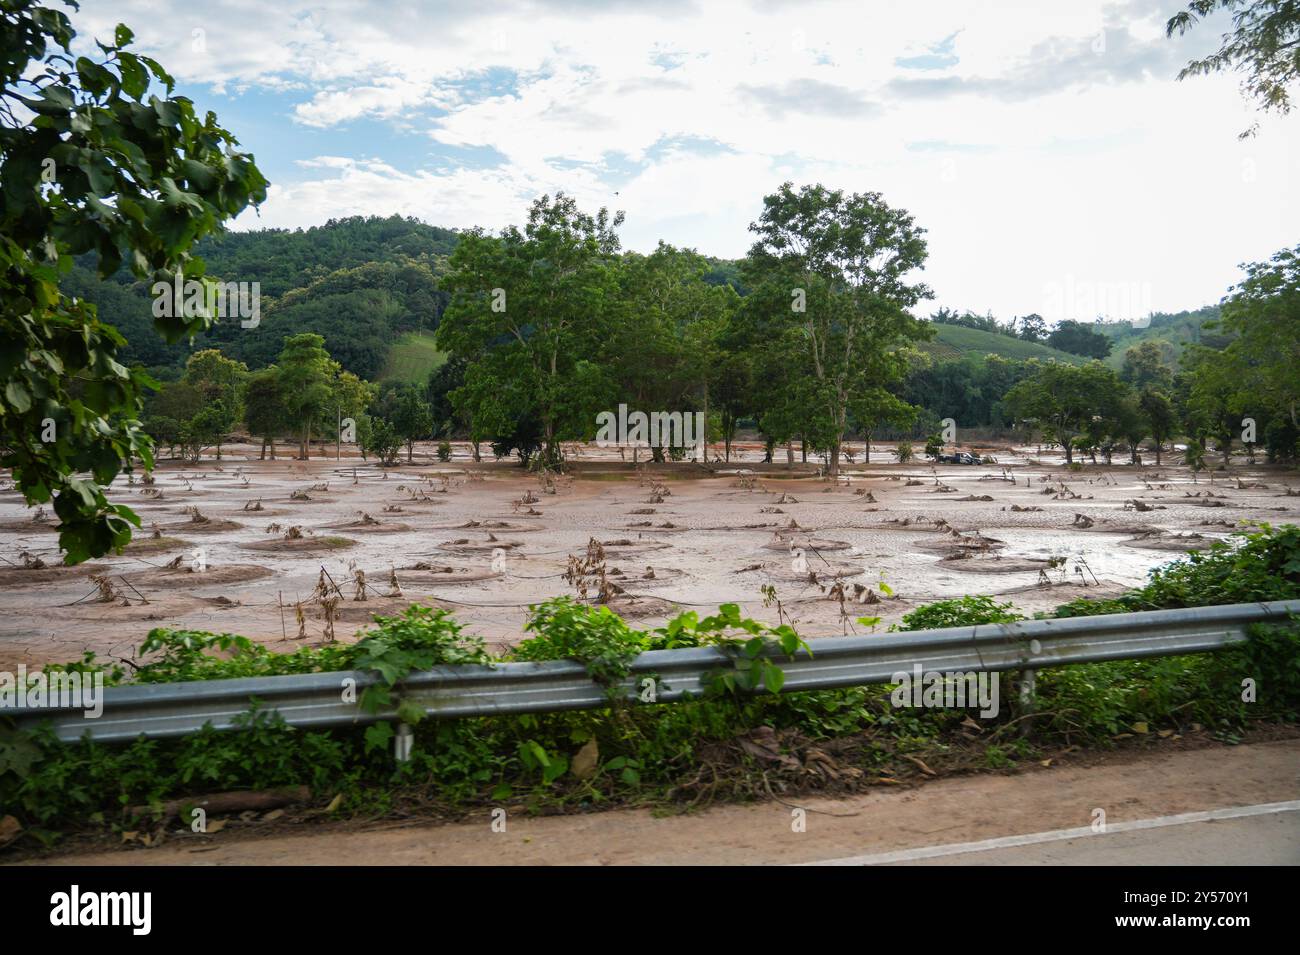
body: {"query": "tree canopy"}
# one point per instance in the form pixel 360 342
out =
pixel 93 163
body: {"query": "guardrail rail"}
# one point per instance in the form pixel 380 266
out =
pixel 160 711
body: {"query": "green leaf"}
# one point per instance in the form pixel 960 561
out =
pixel 410 712
pixel 94 77
pixel 18 397
pixel 135 79
pixel 558 766
pixel 773 678
pixel 378 736
pixel 17 753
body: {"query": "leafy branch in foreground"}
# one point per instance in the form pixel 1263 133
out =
pixel 91 162
pixel 1264 45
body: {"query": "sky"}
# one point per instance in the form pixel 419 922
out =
pixel 1047 148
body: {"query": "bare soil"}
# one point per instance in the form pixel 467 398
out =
pixel 710 534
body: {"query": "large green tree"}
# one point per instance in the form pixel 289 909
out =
pixel 406 408
pixel 1146 365
pixel 1161 418
pixel 831 277
pixel 92 161
pixel 314 390
pixel 534 307
pixel 264 407
pixel 1263 317
pixel 221 382
pixel 1078 339
pixel 1217 401
pixel 1069 402
pixel 666 344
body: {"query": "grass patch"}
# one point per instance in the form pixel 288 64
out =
pixel 958 339
pixel 413 358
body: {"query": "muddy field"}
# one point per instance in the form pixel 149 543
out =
pixel 242 545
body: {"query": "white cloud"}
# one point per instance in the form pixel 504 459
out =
pixel 1057 145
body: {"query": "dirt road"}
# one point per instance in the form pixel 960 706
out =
pixel 930 824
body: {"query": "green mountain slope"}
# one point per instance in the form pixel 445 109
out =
pixel 1180 329
pixel 362 283
pixel 956 341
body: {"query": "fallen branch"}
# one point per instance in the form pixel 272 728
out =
pixel 230 802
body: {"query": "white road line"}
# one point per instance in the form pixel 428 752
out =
pixel 1061 835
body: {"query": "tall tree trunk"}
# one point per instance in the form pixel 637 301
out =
pixel 550 442
pixel 705 437
pixel 789 453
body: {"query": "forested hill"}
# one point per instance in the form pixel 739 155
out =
pixel 365 283
pixel 1179 329
pixel 369 286
pixel 360 282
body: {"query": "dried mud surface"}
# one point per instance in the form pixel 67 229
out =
pixel 486 540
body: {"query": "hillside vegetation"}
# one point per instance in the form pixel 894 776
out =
pixel 369 286
pixel 413 358
pixel 362 283
pixel 1179 329
pixel 955 341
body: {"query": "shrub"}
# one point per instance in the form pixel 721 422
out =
pixel 961 612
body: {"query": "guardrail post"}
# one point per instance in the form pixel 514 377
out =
pixel 403 742
pixel 1028 684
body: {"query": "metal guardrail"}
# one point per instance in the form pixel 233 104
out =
pixel 318 699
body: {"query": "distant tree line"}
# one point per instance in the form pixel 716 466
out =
pixel 547 325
